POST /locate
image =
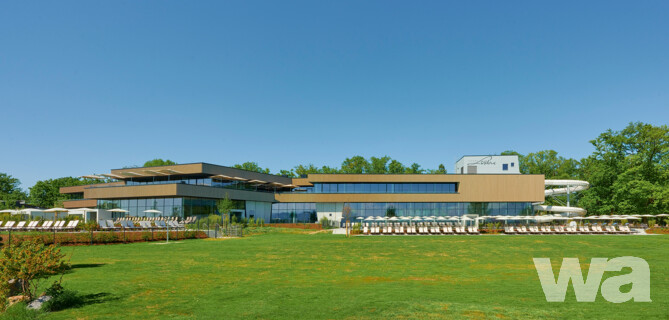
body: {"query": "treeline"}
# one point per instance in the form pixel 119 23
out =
pixel 628 173
pixel 355 164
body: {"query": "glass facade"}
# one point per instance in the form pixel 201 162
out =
pixel 204 181
pixel 306 212
pixel 170 207
pixel 424 209
pixel 446 187
pixel 293 213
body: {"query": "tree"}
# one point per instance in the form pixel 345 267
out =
pixel 356 164
pixel 328 170
pixel 628 171
pixel 440 170
pixel 224 207
pixel 30 261
pixel 287 173
pixel 303 171
pixel 10 192
pixel 396 167
pixel 46 193
pixel 251 166
pixel 550 164
pixel 158 162
pixel 346 214
pixel 390 212
pixel 414 169
pixel 379 165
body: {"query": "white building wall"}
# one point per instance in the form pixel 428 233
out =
pixel 488 165
pixel 330 210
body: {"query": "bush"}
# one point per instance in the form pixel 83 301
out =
pixel 326 223
pixel 61 298
pixel 30 261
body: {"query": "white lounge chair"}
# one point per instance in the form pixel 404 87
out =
pixel 46 225
pixel 9 225
pixel 365 229
pixel 19 226
pixel 32 225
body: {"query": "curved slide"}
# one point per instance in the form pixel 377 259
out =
pixel 569 186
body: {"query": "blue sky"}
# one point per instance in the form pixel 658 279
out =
pixel 86 86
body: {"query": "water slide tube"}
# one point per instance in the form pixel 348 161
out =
pixel 569 186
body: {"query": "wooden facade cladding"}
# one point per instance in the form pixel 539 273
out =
pixel 175 190
pixel 83 203
pixel 471 188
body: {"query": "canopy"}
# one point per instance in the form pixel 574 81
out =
pixel 56 210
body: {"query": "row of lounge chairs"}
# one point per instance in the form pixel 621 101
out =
pixel 424 229
pixel 139 225
pixel 35 225
pixel 567 230
pixel 138 219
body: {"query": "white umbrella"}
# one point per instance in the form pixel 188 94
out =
pixel 662 215
pixel 394 218
pixel 154 211
pixel 441 218
pixel 8 211
pixel 369 218
pixel 55 212
pixel 119 210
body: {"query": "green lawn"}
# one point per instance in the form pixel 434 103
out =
pixel 322 276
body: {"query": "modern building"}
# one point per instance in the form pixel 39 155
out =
pixel 506 164
pixel 193 189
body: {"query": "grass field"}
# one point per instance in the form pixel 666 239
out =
pixel 323 276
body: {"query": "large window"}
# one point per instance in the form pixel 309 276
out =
pixel 306 212
pixel 445 187
pixel 293 213
pixel 168 207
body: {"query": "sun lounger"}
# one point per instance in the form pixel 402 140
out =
pixel 8 225
pixel 472 230
pixel 365 229
pixel 130 225
pixel 174 224
pixel 19 226
pixel 145 225
pixel 522 230
pixel 58 225
pixel 46 225
pixel 72 225
pixel 32 225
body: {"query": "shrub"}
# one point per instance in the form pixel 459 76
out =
pixel 30 261
pixel 326 223
pixel 61 298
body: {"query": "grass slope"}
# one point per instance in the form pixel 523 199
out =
pixel 321 276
